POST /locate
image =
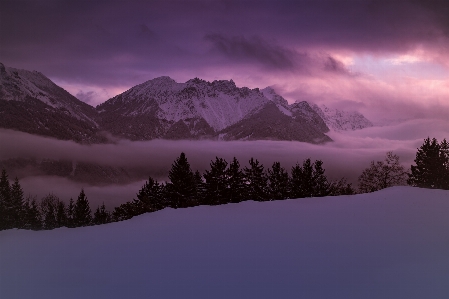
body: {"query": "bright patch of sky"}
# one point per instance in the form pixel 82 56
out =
pixel 399 65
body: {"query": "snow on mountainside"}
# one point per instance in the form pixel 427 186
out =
pixel 17 85
pixel 32 103
pixel 339 120
pixel 164 109
pixel 387 244
pixel 220 103
pixel 201 109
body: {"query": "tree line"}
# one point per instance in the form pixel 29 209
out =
pixel 431 169
pixel 223 183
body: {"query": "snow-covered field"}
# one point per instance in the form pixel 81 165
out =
pixel 389 244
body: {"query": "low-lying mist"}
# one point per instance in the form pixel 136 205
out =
pixel 347 156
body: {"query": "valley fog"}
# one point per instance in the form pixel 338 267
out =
pixel 349 154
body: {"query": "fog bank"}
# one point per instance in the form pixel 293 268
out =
pixel 347 156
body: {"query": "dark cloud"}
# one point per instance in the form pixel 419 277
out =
pixel 334 66
pixel 253 49
pixel 55 36
pixel 113 43
pixel 86 97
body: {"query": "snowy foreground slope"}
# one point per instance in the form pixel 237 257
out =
pixel 389 244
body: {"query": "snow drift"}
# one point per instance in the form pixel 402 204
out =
pixel 390 244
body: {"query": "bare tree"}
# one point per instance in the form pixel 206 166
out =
pixel 383 174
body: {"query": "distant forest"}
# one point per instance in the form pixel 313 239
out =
pixel 223 183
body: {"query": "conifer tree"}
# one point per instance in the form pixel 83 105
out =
pixel 321 183
pixel 301 182
pixel 16 202
pixel 278 182
pixel 6 222
pixel 31 217
pixel 101 215
pixel 309 180
pixel 127 211
pixel 82 215
pixel 236 182
pixel 70 212
pixel 199 188
pixel 255 180
pixel 151 196
pixel 61 215
pixel 49 205
pixel 50 219
pixel 180 191
pixel 216 183
pixel 431 170
pixel 296 181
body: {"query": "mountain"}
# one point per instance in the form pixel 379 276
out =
pixel 340 120
pixel 163 108
pixel 30 102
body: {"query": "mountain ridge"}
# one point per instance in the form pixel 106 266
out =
pixel 160 108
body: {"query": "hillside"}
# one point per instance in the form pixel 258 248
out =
pixel 389 244
pixel 32 103
pixel 198 109
pixel 162 108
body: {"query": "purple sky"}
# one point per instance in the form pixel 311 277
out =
pixel 386 59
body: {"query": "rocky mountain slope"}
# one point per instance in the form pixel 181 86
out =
pixel 164 109
pixel 340 120
pixel 30 102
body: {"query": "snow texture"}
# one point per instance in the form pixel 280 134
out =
pixel 17 84
pixel 340 120
pixel 221 103
pixel 390 244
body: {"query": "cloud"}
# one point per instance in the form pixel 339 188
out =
pixel 347 156
pixel 253 49
pixel 85 96
pixel 333 65
pixel 118 45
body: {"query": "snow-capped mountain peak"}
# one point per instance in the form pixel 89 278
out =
pixel 33 103
pixel 340 120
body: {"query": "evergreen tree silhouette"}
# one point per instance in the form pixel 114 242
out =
pixel 236 182
pixel 216 183
pixel 431 169
pixel 82 215
pixel 309 180
pixel 321 183
pixel 50 219
pixel 49 206
pixel 101 216
pixel 181 191
pixel 151 196
pixel 199 188
pixel 256 181
pixel 278 182
pixel 31 218
pixel 6 221
pixel 127 211
pixel 16 204
pixel 70 212
pixel 61 215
